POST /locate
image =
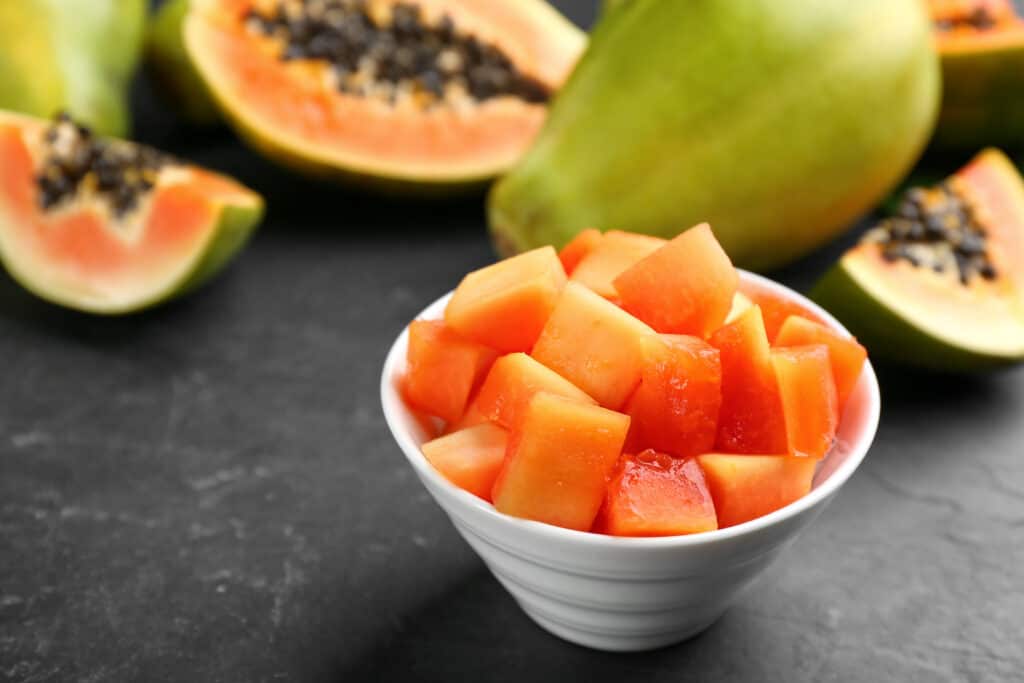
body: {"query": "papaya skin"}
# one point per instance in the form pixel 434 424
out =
pixel 72 55
pixel 777 121
pixel 171 67
pixel 983 96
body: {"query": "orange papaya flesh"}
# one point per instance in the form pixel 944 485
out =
pixel 845 354
pixel 653 494
pixel 559 458
pixel 808 393
pixel 470 458
pixel 745 487
pixel 442 369
pixel 751 419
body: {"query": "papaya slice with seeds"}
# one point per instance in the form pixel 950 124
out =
pixel 109 226
pixel 940 285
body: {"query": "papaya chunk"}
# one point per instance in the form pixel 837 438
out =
pixel 442 369
pixel 751 419
pixel 845 354
pixel 653 494
pixel 559 458
pixel 745 487
pixel 594 344
pixel 470 458
pixel 675 408
pixel 685 287
pixel 505 305
pixel 512 382
pixel 808 392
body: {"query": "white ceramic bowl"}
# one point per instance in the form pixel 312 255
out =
pixel 627 594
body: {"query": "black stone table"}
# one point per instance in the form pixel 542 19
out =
pixel 208 492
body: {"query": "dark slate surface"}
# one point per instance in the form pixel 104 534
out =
pixel 208 492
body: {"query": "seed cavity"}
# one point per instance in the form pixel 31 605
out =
pixel 981 18
pixel 393 54
pixel 75 163
pixel 936 229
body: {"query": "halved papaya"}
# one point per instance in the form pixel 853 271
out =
pixel 941 284
pixel 108 226
pixel 411 94
pixel 981 43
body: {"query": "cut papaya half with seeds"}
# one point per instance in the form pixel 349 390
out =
pixel 407 95
pixel 109 226
pixel 941 283
pixel 981 44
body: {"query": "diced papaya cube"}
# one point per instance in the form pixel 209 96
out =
pixel 808 393
pixel 675 408
pixel 470 458
pixel 578 248
pixel 846 355
pixel 751 419
pixel 615 253
pixel 594 344
pixel 775 308
pixel 559 458
pixel 745 487
pixel 442 369
pixel 653 494
pixel 512 382
pixel 505 305
pixel 686 287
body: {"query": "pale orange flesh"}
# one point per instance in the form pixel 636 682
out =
pixel 994 183
pixel 298 105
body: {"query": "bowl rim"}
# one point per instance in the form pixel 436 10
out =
pixel 392 403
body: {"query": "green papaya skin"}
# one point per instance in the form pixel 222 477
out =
pixel 777 121
pixel 983 99
pixel 609 5
pixel 72 55
pixel 168 60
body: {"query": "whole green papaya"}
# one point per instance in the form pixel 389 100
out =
pixel 778 121
pixel 73 55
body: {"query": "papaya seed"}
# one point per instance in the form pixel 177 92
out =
pixel 936 229
pixel 75 163
pixel 398 48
